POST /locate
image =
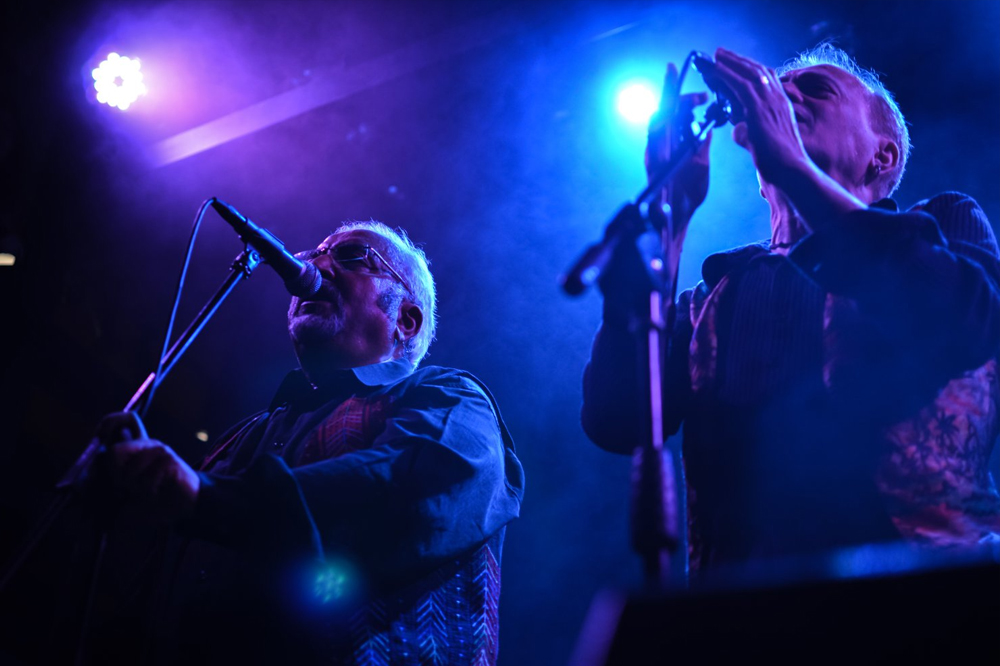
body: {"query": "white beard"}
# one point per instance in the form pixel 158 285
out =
pixel 314 328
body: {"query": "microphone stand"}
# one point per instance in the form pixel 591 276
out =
pixel 72 482
pixel 655 533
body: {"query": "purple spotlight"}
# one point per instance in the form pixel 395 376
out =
pixel 118 81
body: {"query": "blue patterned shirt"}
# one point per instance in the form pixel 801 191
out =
pixel 358 524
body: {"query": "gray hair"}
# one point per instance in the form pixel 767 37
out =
pixel 886 116
pixel 411 263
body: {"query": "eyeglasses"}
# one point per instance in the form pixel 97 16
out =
pixel 354 257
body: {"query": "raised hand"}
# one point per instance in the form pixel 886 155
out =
pixel 151 482
pixel 770 131
pixel 690 184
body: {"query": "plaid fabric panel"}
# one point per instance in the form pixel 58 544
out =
pixel 354 425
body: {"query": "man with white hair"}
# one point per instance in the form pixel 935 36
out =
pixel 837 384
pixel 360 518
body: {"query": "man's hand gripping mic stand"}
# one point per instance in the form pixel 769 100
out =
pixel 74 483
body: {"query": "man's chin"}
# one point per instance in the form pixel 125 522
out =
pixel 310 329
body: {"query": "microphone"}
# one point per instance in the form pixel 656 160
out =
pixel 301 278
pixel 727 100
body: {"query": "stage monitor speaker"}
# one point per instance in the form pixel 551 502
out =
pixel 936 615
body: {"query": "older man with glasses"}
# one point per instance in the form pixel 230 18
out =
pixel 360 518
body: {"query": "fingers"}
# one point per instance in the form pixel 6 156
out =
pixel 120 427
pixel 752 71
pixel 140 466
pixel 769 129
pixel 738 85
pixel 667 129
pixel 154 479
pixel 668 98
pixel 750 81
pixel 662 138
pixel 657 141
pixel 671 103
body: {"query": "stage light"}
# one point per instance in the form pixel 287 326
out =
pixel 118 81
pixel 637 102
pixel 7 259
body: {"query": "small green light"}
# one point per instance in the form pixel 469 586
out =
pixel 331 583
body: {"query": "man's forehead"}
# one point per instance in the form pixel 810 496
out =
pixel 826 71
pixel 363 236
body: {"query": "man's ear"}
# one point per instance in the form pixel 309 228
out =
pixel 409 321
pixel 887 156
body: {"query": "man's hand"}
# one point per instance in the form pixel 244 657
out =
pixel 770 131
pixel 151 482
pixel 690 185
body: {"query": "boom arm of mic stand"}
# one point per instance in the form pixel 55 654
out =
pixel 627 224
pixel 242 268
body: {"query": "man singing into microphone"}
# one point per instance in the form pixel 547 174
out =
pixel 360 518
pixel 837 384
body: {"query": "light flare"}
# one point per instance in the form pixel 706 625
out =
pixel 637 102
pixel 118 81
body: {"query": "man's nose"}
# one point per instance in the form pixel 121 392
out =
pixel 326 265
pixel 792 91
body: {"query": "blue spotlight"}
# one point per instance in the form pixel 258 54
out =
pixel 637 102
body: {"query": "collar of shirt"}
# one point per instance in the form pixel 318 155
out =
pixel 886 204
pixel 717 265
pixel 296 389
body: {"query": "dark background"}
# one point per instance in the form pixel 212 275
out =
pixel 501 154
